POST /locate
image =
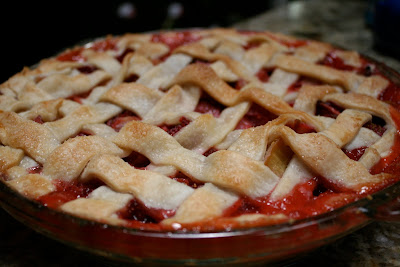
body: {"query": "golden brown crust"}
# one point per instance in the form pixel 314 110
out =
pixel 158 86
pixel 9 157
pixel 17 132
pixel 32 185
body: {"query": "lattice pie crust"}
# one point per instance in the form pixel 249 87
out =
pixel 45 110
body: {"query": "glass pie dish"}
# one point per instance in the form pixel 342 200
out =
pixel 277 243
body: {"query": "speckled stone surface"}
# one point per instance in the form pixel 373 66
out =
pixel 338 22
pixel 378 244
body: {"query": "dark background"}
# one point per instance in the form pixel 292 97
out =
pixel 33 30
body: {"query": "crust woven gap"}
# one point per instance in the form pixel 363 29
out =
pixel 207 104
pixel 255 116
pixel 119 121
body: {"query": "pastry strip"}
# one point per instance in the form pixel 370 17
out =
pixel 224 168
pixel 153 189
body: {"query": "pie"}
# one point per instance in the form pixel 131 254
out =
pixel 199 130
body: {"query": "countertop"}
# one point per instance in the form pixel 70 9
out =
pixel 338 22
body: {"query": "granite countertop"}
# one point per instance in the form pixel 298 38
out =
pixel 377 244
pixel 338 22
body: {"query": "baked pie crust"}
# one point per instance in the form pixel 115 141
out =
pixel 200 129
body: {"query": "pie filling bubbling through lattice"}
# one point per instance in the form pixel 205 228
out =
pixel 204 129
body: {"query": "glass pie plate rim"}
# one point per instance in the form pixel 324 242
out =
pixel 279 242
pixel 271 243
